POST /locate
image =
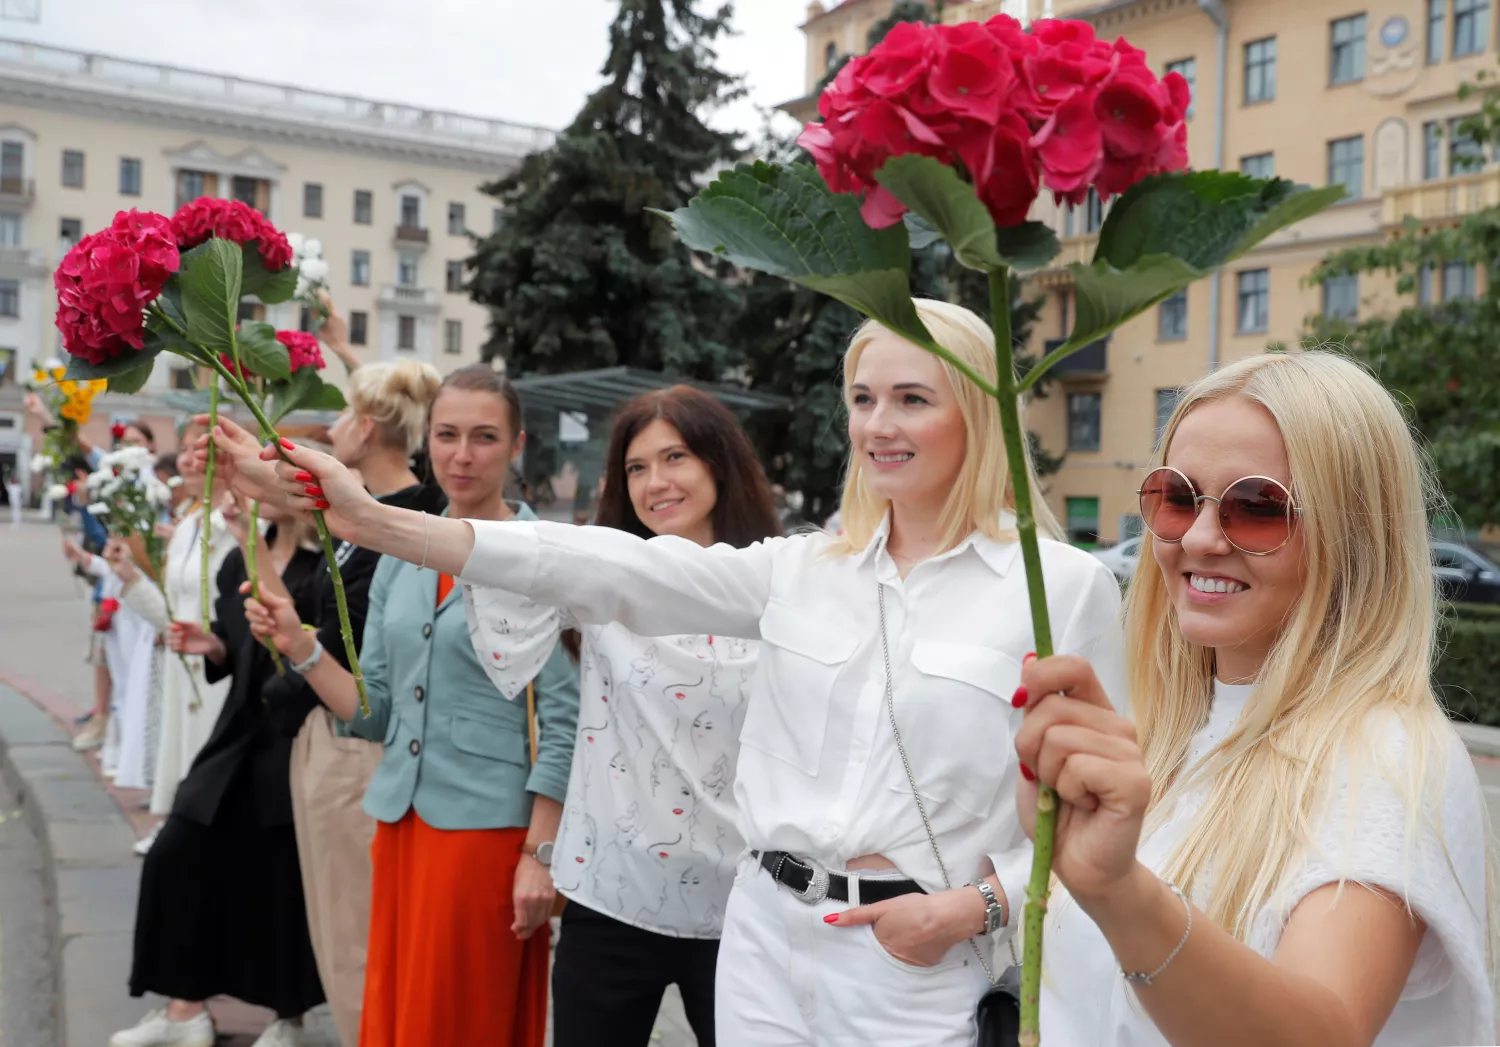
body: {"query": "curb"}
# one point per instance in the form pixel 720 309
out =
pixel 1480 741
pixel 91 873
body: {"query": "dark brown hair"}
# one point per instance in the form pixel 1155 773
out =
pixel 745 511
pixel 482 378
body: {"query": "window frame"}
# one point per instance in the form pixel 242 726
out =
pixel 450 284
pixel 359 327
pixel 1475 14
pixel 453 346
pixel 1349 281
pixel 356 256
pixel 1432 150
pixel 126 163
pixel 1262 293
pixel 1188 67
pixel 368 198
pixel 1176 334
pixel 462 217
pixel 405 323
pixel 81 167
pixel 1356 45
pixel 1437 32
pixel 415 201
pixel 10 295
pixel 1077 418
pixel 1334 163
pixel 63 236
pixel 312 191
pixel 1244 164
pixel 1265 66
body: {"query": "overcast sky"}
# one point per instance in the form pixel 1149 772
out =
pixel 532 61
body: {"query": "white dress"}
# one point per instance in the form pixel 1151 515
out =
pixel 1447 1000
pixel 129 652
pixel 185 723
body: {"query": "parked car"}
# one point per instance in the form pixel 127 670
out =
pixel 1122 558
pixel 1464 574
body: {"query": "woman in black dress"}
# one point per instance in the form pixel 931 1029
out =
pixel 221 909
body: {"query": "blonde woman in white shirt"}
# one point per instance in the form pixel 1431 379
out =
pixel 649 843
pixel 1294 852
pixel 843 926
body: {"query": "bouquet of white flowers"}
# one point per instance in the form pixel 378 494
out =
pixel 312 274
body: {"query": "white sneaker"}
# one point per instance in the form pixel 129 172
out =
pixel 92 735
pixel 157 1030
pixel 280 1033
pixel 143 845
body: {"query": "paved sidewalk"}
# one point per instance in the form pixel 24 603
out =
pixel 87 826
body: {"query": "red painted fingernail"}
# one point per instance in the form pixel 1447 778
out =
pixel 322 504
pixel 313 492
pixel 832 917
pixel 1028 773
pixel 1018 699
pixel 304 478
pixel 1030 657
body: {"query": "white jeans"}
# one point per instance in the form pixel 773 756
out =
pixel 787 979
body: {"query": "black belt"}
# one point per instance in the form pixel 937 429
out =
pixel 812 885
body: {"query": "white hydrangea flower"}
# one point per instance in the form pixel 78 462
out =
pixel 98 509
pixel 312 249
pixel 174 482
pixel 315 270
pixel 57 492
pixel 158 493
pixel 38 463
pixel 296 240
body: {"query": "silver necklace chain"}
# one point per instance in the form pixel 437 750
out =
pixel 890 705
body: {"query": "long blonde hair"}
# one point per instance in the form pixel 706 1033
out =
pixel 1361 638
pixel 982 491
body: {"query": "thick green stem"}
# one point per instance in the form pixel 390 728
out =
pixel 252 570
pixel 208 499
pixel 1036 590
pixel 346 631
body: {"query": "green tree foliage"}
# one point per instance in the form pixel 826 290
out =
pixel 1439 357
pixel 579 274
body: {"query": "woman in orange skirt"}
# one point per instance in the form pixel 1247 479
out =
pixel 467 814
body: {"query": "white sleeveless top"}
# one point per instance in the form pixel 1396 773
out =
pixel 1448 998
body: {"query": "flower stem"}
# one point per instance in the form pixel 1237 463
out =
pixel 157 565
pixel 253 571
pixel 346 631
pixel 1036 590
pixel 208 498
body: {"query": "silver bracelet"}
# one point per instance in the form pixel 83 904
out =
pixel 1137 978
pixel 313 659
pixel 423 565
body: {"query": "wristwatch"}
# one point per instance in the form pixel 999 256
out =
pixel 994 912
pixel 313 659
pixel 542 852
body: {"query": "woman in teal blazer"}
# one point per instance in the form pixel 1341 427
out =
pixel 467 812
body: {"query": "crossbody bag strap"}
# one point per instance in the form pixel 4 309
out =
pixel 890 705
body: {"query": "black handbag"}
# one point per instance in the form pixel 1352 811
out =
pixel 998 1015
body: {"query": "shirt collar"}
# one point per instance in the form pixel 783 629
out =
pixel 998 555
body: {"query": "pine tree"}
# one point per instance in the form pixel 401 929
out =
pixel 579 274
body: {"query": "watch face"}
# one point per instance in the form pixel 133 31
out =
pixel 544 853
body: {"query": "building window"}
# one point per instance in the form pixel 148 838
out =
pixel 1083 522
pixel 1093 212
pixel 1255 300
pixel 1346 165
pixel 12 167
pixel 181 379
pixel 1435 12
pixel 312 200
pixel 1341 297
pixel 1458 281
pixel 1464 154
pixel 10 229
pixel 406 332
pixel 250 311
pixel 359 326
pixel 363 206
pixel 406 269
pixel 453 336
pixel 1432 150
pixel 1346 63
pixel 455 277
pixel 457 226
pixel 10 298
pixel 359 268
pixel 1258 165
pixel 1083 421
pixel 248 192
pixel 1260 70
pixel 1171 318
pixel 1188 68
pixel 304 320
pixel 497 217
pixel 1425 279
pixel 70 230
pixel 830 56
pixel 72 168
pixel 411 212
pixel 1166 403
pixel 1471 26
pixel 193 184
pixel 130 176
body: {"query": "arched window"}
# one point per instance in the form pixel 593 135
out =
pixel 830 56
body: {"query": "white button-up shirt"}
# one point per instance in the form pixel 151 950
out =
pixel 819 774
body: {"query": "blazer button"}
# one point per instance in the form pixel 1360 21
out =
pixel 415 747
pixel 420 693
pixel 427 631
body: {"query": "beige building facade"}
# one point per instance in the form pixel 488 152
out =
pixel 1358 92
pixel 390 190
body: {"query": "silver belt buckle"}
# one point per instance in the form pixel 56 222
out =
pixel 817 886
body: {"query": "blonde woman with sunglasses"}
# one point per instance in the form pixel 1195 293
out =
pixel 1289 845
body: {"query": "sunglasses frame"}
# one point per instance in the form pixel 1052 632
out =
pixel 1294 511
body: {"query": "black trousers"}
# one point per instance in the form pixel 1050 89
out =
pixel 608 978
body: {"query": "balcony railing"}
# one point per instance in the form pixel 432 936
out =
pixel 399 296
pixel 411 234
pixel 15 191
pixel 1442 199
pixel 1092 361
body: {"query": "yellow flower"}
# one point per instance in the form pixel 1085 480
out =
pixel 39 376
pixel 58 372
pixel 69 412
pixel 70 388
pixel 83 414
pixel 98 385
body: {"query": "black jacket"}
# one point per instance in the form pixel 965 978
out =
pixel 247 736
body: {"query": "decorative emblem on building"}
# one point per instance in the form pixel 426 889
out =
pixel 1394 65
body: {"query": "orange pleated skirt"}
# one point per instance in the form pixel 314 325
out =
pixel 444 967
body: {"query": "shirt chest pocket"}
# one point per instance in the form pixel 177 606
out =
pixel 955 717
pixel 799 661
